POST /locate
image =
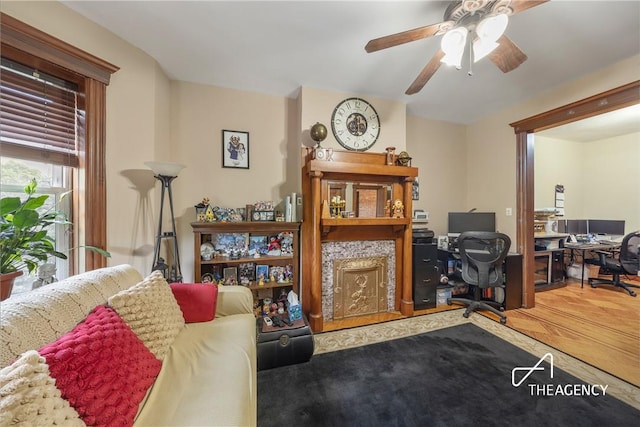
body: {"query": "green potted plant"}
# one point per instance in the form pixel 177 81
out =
pixel 24 243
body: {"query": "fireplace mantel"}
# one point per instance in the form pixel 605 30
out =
pixel 353 167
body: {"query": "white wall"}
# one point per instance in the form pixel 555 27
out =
pixel 600 177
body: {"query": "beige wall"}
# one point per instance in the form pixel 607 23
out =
pixel 199 113
pixel 600 177
pixel 150 117
pixel 560 162
pixel 317 106
pixel 137 125
pixel 491 155
pixel 438 149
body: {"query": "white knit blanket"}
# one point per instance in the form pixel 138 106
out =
pixel 30 320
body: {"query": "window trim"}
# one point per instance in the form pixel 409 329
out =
pixel 96 74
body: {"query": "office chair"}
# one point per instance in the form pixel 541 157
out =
pixel 482 254
pixel 628 262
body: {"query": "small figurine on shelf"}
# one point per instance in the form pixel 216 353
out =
pixel 338 205
pixel 288 273
pixel 201 209
pixel 398 209
pixel 208 214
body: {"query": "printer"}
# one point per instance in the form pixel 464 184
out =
pixel 422 235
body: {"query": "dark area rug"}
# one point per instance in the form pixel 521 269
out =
pixel 458 376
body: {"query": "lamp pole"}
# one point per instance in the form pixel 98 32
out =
pixel 175 274
pixel 165 173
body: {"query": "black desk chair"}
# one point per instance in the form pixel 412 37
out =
pixel 628 262
pixel 482 255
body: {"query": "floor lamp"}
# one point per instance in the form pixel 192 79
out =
pixel 166 172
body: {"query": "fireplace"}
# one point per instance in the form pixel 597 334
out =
pixel 357 265
pixel 358 278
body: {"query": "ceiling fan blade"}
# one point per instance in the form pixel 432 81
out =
pixel 427 72
pixel 507 56
pixel 405 37
pixel 518 6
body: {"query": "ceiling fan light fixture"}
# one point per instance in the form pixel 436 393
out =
pixel 482 48
pixel 492 27
pixel 453 43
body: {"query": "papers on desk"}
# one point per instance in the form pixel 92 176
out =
pixel 608 242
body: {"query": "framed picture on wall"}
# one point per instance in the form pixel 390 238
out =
pixel 235 149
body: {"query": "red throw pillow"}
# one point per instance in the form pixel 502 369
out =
pixel 102 368
pixel 196 300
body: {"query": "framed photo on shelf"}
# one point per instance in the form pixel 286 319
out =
pixel 235 149
pixel 227 243
pixel 276 274
pixel 262 273
pixel 230 276
pixel 258 245
pixel 247 273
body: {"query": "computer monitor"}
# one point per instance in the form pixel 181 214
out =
pixel 606 227
pixel 577 226
pixel 460 222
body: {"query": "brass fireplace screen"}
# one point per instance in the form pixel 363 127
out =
pixel 359 286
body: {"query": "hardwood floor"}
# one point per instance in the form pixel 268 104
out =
pixel 598 326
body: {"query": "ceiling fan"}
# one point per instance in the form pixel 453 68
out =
pixel 483 21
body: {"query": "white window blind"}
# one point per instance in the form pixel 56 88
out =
pixel 39 116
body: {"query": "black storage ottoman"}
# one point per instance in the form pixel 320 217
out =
pixel 283 346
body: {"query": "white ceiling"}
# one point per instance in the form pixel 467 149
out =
pixel 615 123
pixel 277 47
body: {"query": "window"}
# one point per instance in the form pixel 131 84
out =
pixel 54 181
pixel 41 117
pixel 76 81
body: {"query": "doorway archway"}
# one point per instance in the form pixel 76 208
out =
pixel 604 102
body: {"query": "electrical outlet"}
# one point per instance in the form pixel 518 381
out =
pixel 509 212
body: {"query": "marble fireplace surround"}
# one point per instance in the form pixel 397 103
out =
pixel 334 251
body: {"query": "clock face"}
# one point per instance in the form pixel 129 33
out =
pixel 355 124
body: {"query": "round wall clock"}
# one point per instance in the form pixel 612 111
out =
pixel 355 124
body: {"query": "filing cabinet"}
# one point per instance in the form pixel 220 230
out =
pixel 425 275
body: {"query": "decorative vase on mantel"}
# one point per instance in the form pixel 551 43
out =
pixel 6 284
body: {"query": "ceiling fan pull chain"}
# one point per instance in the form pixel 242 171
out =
pixel 470 72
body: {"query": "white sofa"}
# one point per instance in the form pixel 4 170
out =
pixel 208 371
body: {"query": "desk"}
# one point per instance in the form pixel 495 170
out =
pixel 549 260
pixel 584 247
